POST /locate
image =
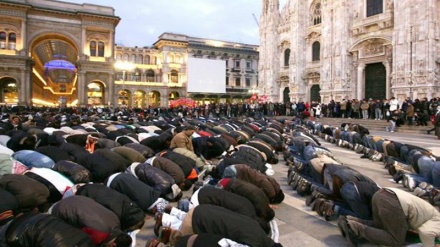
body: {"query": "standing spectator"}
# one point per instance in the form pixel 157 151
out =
pixel 355 107
pixel 343 108
pixel 364 108
pixel 378 110
pixel 410 114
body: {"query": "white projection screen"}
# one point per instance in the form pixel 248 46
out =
pixel 206 76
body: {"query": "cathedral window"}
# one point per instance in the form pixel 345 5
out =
pixel 316 51
pixel 374 7
pixel 286 57
pixel 316 14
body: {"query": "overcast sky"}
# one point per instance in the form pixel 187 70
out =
pixel 142 21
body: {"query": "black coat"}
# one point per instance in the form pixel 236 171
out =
pixel 221 221
pixel 80 211
pixel 43 230
pixel 141 194
pixel 127 211
pixel 73 171
pixel 99 167
pixel 155 178
pixel 28 192
pixel 186 164
pixel 55 153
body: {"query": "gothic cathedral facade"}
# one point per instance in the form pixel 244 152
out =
pixel 322 50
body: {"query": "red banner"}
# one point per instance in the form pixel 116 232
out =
pixel 182 102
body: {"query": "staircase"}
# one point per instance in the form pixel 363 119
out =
pixel 377 125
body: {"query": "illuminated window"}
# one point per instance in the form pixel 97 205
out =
pixel 2 40
pixel 101 48
pixel 93 48
pixel 150 75
pixel 174 76
pixel 12 41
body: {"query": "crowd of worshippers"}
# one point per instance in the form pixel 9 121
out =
pixel 364 210
pixel 92 182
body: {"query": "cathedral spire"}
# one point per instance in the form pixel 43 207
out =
pixel 270 6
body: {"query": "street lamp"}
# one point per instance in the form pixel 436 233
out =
pixel 124 66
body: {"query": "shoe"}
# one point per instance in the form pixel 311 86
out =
pixel 364 156
pixel 304 188
pixel 183 205
pixel 419 192
pixel 312 197
pixel 398 176
pixel 317 205
pixel 158 224
pixel 411 183
pixel 164 234
pixel 392 131
pixel 434 196
pixel 152 243
pixel 346 231
pixel 291 176
pixel 328 209
pixel 295 182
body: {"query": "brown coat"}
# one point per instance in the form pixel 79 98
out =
pixel 269 185
pixel 182 141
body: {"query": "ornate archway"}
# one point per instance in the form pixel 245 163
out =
pixel 9 91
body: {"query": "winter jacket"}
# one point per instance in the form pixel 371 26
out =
pixel 99 167
pixel 119 161
pixel 268 184
pixel 129 154
pixel 140 193
pixel 170 168
pixel 127 211
pixel 254 194
pixel 152 176
pixel 28 192
pixel 144 150
pixel 55 153
pixel 214 219
pixel 9 165
pixel 43 230
pixel 33 159
pixel 73 150
pixel 190 154
pixel 98 222
pixel 252 155
pixel 186 164
pixel 54 181
pixel 75 172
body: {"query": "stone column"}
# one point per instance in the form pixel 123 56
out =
pixel 360 81
pixel 388 79
pixel 111 97
pixel 23 34
pixel 81 86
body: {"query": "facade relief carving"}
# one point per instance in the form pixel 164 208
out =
pixel 373 49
